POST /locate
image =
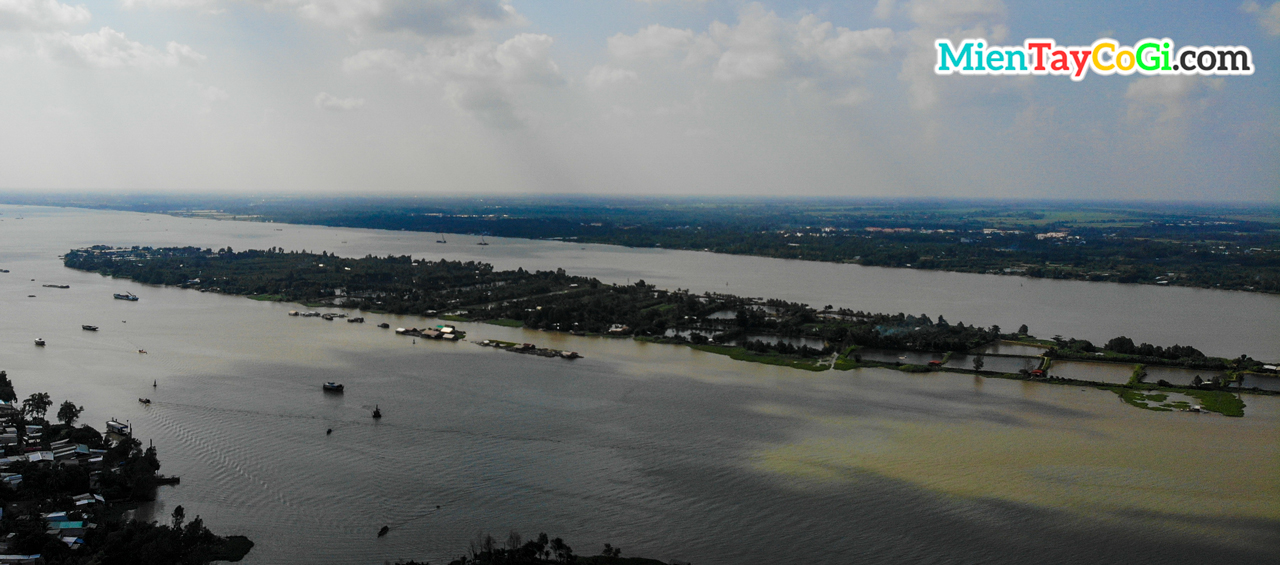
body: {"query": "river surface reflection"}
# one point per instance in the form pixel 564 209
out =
pixel 662 450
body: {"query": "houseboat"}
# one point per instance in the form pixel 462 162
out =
pixel 116 427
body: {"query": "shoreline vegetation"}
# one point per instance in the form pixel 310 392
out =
pixel 1222 247
pixel 484 549
pixel 756 330
pixel 67 490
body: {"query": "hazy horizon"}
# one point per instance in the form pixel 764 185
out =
pixel 630 98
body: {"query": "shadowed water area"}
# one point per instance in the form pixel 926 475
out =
pixel 662 450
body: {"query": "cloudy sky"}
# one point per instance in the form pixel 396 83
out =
pixel 623 97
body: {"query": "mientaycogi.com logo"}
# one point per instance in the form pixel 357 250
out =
pixel 1104 57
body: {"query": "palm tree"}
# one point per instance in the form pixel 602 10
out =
pixel 37 404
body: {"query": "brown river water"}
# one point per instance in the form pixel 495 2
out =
pixel 667 452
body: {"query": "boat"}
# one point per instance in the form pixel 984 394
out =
pixel 384 325
pixel 131 297
pixel 332 387
pixel 441 240
pixel 384 531
pixel 89 328
pixel 293 312
pixel 56 285
pixel 146 401
pixel 115 427
pixel 482 241
pixel 356 320
pixel 377 413
pixel 39 342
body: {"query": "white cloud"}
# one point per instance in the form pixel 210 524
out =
pixel 653 42
pixel 950 14
pixel 525 58
pixel 130 4
pixel 753 49
pixel 426 18
pixel 883 9
pixel 326 101
pixel 477 76
pixel 944 18
pixel 762 46
pixel 1166 100
pixel 209 95
pixel 108 48
pixel 37 15
pixel 602 76
pixel 1268 18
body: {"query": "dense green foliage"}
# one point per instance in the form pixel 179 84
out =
pixel 539 300
pixel 542 550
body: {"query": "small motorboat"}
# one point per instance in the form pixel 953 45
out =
pixel 384 531
pixel 333 387
pixel 384 325
pixel 131 297
pixel 89 328
pixel 146 401
pixel 377 413
pixel 39 342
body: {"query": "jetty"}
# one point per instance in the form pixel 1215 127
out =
pixel 530 349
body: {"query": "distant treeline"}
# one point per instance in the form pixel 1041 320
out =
pixel 1228 247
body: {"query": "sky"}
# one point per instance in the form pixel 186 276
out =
pixel 635 97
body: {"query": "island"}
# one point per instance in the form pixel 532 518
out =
pixel 67 489
pixel 751 329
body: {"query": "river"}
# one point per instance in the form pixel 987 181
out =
pixel 661 450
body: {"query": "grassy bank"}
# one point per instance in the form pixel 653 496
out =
pixel 1156 398
pixel 740 354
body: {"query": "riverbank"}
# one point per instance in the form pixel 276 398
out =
pixel 66 491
